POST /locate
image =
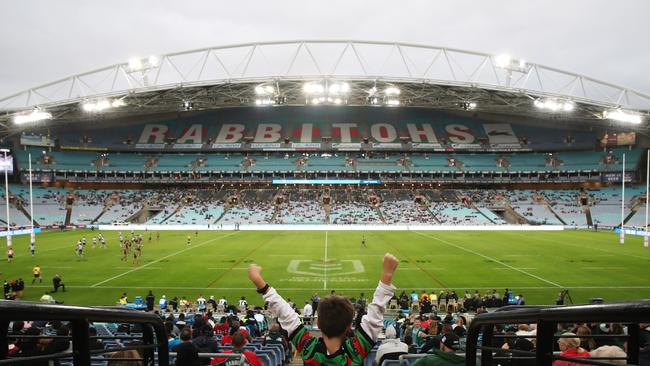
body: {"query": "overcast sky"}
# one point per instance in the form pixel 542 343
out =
pixel 41 41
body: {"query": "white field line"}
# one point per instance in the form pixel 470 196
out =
pixel 325 261
pixel 492 259
pixel 349 289
pixel 161 259
pixel 228 268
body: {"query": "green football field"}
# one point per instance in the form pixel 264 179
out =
pixel 301 263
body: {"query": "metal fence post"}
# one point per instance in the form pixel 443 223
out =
pixel 80 342
pixel 545 339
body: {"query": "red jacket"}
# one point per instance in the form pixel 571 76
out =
pixel 250 356
pixel 579 352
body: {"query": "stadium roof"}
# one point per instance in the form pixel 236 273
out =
pixel 227 76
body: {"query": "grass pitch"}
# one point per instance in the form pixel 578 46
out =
pixel 301 263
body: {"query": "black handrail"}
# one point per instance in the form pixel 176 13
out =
pixel 80 318
pixel 547 317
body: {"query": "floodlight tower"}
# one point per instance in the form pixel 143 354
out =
pixel 5 151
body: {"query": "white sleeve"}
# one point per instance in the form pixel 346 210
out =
pixel 373 322
pixel 286 315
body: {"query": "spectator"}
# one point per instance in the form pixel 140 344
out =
pixel 172 340
pixel 162 303
pixel 586 341
pixel 150 299
pixel 307 313
pixel 391 348
pixel 95 343
pixel 238 343
pixel 570 347
pixel 132 353
pixel 610 351
pixel 206 342
pixel 186 352
pixel 335 315
pixel 274 336
pixel 445 356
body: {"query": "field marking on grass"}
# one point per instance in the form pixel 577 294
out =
pixel 492 259
pixel 519 268
pixel 228 268
pixel 135 267
pixel 325 261
pixel 415 263
pixel 582 247
pixel 603 267
pixel 345 289
pixel 163 258
pixel 220 275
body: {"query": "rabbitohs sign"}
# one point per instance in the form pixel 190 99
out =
pixel 310 135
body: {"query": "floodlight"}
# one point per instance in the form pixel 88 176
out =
pixel 153 61
pixel 468 105
pixel 554 105
pixel 622 116
pixel 313 88
pixel 135 64
pixel 188 105
pixel 339 88
pixel 391 90
pixel 118 103
pixel 392 102
pixel 503 60
pixel 264 101
pixel 264 89
pixel 34 116
pixel 101 105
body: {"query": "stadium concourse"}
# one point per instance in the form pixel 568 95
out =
pixel 163 195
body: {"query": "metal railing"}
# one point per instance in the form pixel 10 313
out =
pixel 153 338
pixel 547 318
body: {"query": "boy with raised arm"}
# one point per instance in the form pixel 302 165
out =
pixel 335 315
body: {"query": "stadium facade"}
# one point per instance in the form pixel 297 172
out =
pixel 432 124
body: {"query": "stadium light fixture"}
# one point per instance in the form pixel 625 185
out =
pixel 35 115
pixel 264 101
pixel 137 63
pixel 622 116
pixel 554 105
pixel 188 105
pixel 264 90
pixel 468 105
pixel 102 105
pixel 318 92
pixel 391 91
pixel 312 88
pixel 508 63
pixel 503 60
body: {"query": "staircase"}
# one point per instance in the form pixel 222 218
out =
pixel 590 221
pixel 68 215
pixel 555 213
pixel 22 209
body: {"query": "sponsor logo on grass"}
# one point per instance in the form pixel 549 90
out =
pixel 330 268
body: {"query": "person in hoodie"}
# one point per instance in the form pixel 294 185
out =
pixel 391 348
pixel 206 342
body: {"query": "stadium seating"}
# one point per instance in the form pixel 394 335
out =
pixel 591 161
